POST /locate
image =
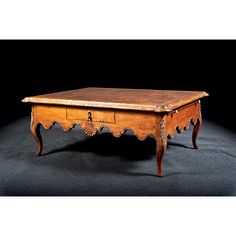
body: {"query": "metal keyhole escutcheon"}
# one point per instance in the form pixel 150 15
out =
pixel 89 116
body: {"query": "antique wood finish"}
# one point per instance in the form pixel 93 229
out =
pixel 145 112
pixel 129 99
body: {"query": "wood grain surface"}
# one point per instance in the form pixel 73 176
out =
pixel 130 99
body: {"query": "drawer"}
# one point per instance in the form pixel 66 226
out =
pixel 95 115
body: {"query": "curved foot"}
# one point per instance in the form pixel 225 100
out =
pixel 35 129
pixel 195 133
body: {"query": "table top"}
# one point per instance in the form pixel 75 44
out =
pixel 119 98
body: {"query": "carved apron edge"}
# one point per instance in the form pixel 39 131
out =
pixel 89 129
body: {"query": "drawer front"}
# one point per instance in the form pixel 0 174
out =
pixel 95 115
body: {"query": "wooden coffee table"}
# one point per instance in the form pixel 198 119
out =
pixel 146 112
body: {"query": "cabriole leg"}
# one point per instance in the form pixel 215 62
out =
pixel 161 144
pixel 195 133
pixel 35 129
pixel 161 148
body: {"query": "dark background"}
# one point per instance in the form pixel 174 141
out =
pixel 37 67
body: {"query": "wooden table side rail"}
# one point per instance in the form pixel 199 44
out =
pixel 143 123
